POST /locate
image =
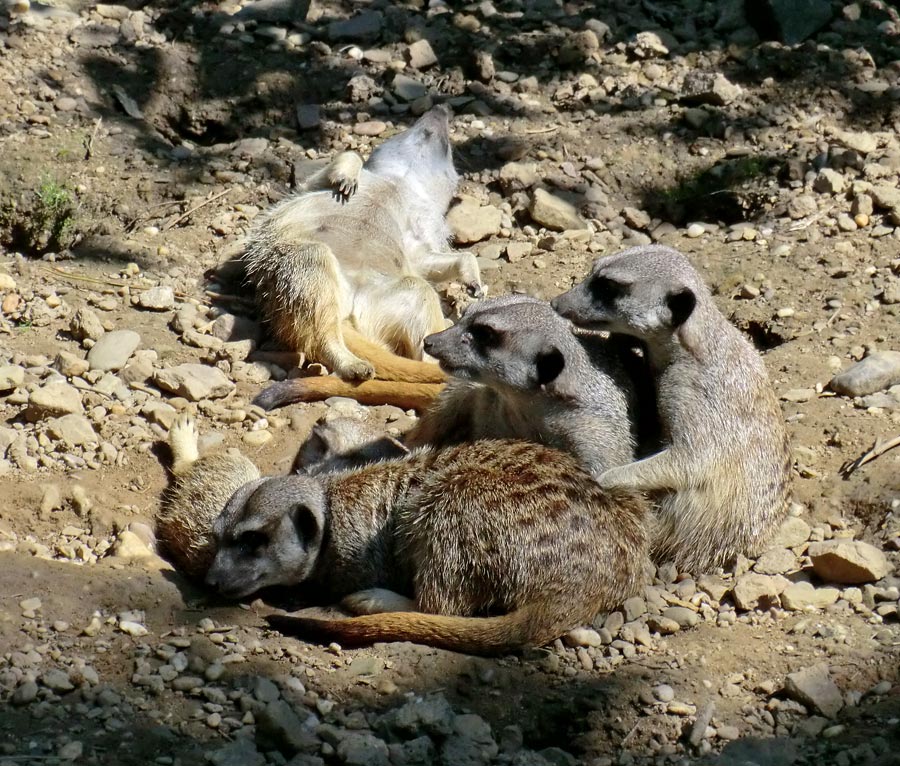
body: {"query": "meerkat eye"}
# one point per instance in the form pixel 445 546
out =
pixel 605 290
pixel 485 336
pixel 251 541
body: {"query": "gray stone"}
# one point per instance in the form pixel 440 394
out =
pixel 113 350
pixel 160 298
pixel 11 376
pixel 364 27
pixel 274 11
pixel 431 715
pixel 471 743
pixel 241 752
pixel 790 21
pixel 685 617
pixel 264 690
pixel 194 381
pixel 848 562
pixel 25 693
pixel 702 87
pixel 70 365
pixel 362 749
pixel 56 680
pixel 776 561
pixel 633 608
pixel 814 688
pixel 517 176
pixel 279 726
pixel 407 89
pixel 53 400
pixel 554 213
pixel 415 752
pixel 751 589
pixel 876 372
pixel 309 116
pixel 794 531
pixel 801 595
pixel 471 222
pixel 829 181
pixel 74 430
pixel 859 141
pixel 86 324
pixel 888 197
pixel 420 55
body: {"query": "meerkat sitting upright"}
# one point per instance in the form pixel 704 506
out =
pixel 343 270
pixel 199 490
pixel 723 480
pixel 494 545
pixel 517 371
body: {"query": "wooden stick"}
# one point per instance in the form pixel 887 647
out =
pixel 878 449
pixel 194 209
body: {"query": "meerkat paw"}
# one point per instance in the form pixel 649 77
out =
pixel 476 289
pixel 377 600
pixel 355 370
pixel 344 183
pixel 183 439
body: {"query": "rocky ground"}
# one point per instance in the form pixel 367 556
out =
pixel 137 143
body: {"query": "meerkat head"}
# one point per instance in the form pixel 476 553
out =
pixel 513 341
pixel 421 155
pixel 647 291
pixel 339 443
pixel 269 533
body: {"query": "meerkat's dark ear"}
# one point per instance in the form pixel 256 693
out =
pixel 306 522
pixel 549 363
pixel 681 304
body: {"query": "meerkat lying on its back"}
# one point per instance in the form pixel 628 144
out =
pixel 518 372
pixel 348 281
pixel 724 478
pixel 199 490
pixel 501 528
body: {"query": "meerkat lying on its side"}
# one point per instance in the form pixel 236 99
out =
pixel 199 490
pixel 349 281
pixel 723 480
pixel 496 545
pixel 517 371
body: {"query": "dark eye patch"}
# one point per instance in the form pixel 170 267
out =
pixel 605 290
pixel 251 541
pixel 485 336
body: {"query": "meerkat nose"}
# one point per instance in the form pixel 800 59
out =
pixel 427 344
pixel 554 303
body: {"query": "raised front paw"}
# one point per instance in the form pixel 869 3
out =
pixel 476 289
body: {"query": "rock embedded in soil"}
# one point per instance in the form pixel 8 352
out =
pixel 160 298
pixel 553 212
pixel 849 562
pixel 799 596
pixel 85 324
pixel 815 688
pixel 11 377
pixel 73 430
pixel 364 27
pixel 53 400
pixel 752 590
pixel 794 531
pixel 194 381
pixel 714 88
pixel 876 372
pixel 113 350
pixel 471 222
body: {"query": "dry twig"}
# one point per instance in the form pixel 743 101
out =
pixel 879 448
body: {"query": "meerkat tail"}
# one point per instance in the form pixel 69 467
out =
pixel 390 366
pixel 470 635
pixel 407 396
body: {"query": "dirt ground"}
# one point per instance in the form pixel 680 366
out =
pixel 138 142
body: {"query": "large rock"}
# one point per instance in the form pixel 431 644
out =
pixel 471 222
pixel 800 595
pixel 113 350
pixel 814 688
pixel 887 196
pixel 363 27
pixel 702 87
pixel 279 726
pixel 160 298
pixel 194 381
pixel 752 590
pixel 274 11
pixel 554 213
pixel 74 430
pixel 11 376
pixel 52 401
pixel 241 752
pixel 849 562
pixel 794 531
pixel 790 21
pixel 86 324
pixel 876 372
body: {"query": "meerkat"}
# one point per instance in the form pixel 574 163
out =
pixel 517 371
pixel 343 270
pixel 481 548
pixel 723 481
pixel 199 490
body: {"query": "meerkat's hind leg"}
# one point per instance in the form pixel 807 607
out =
pixel 183 441
pixel 659 471
pixel 377 600
pixel 462 265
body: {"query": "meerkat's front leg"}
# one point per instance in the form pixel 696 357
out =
pixel 438 267
pixel 659 471
pixel 340 176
